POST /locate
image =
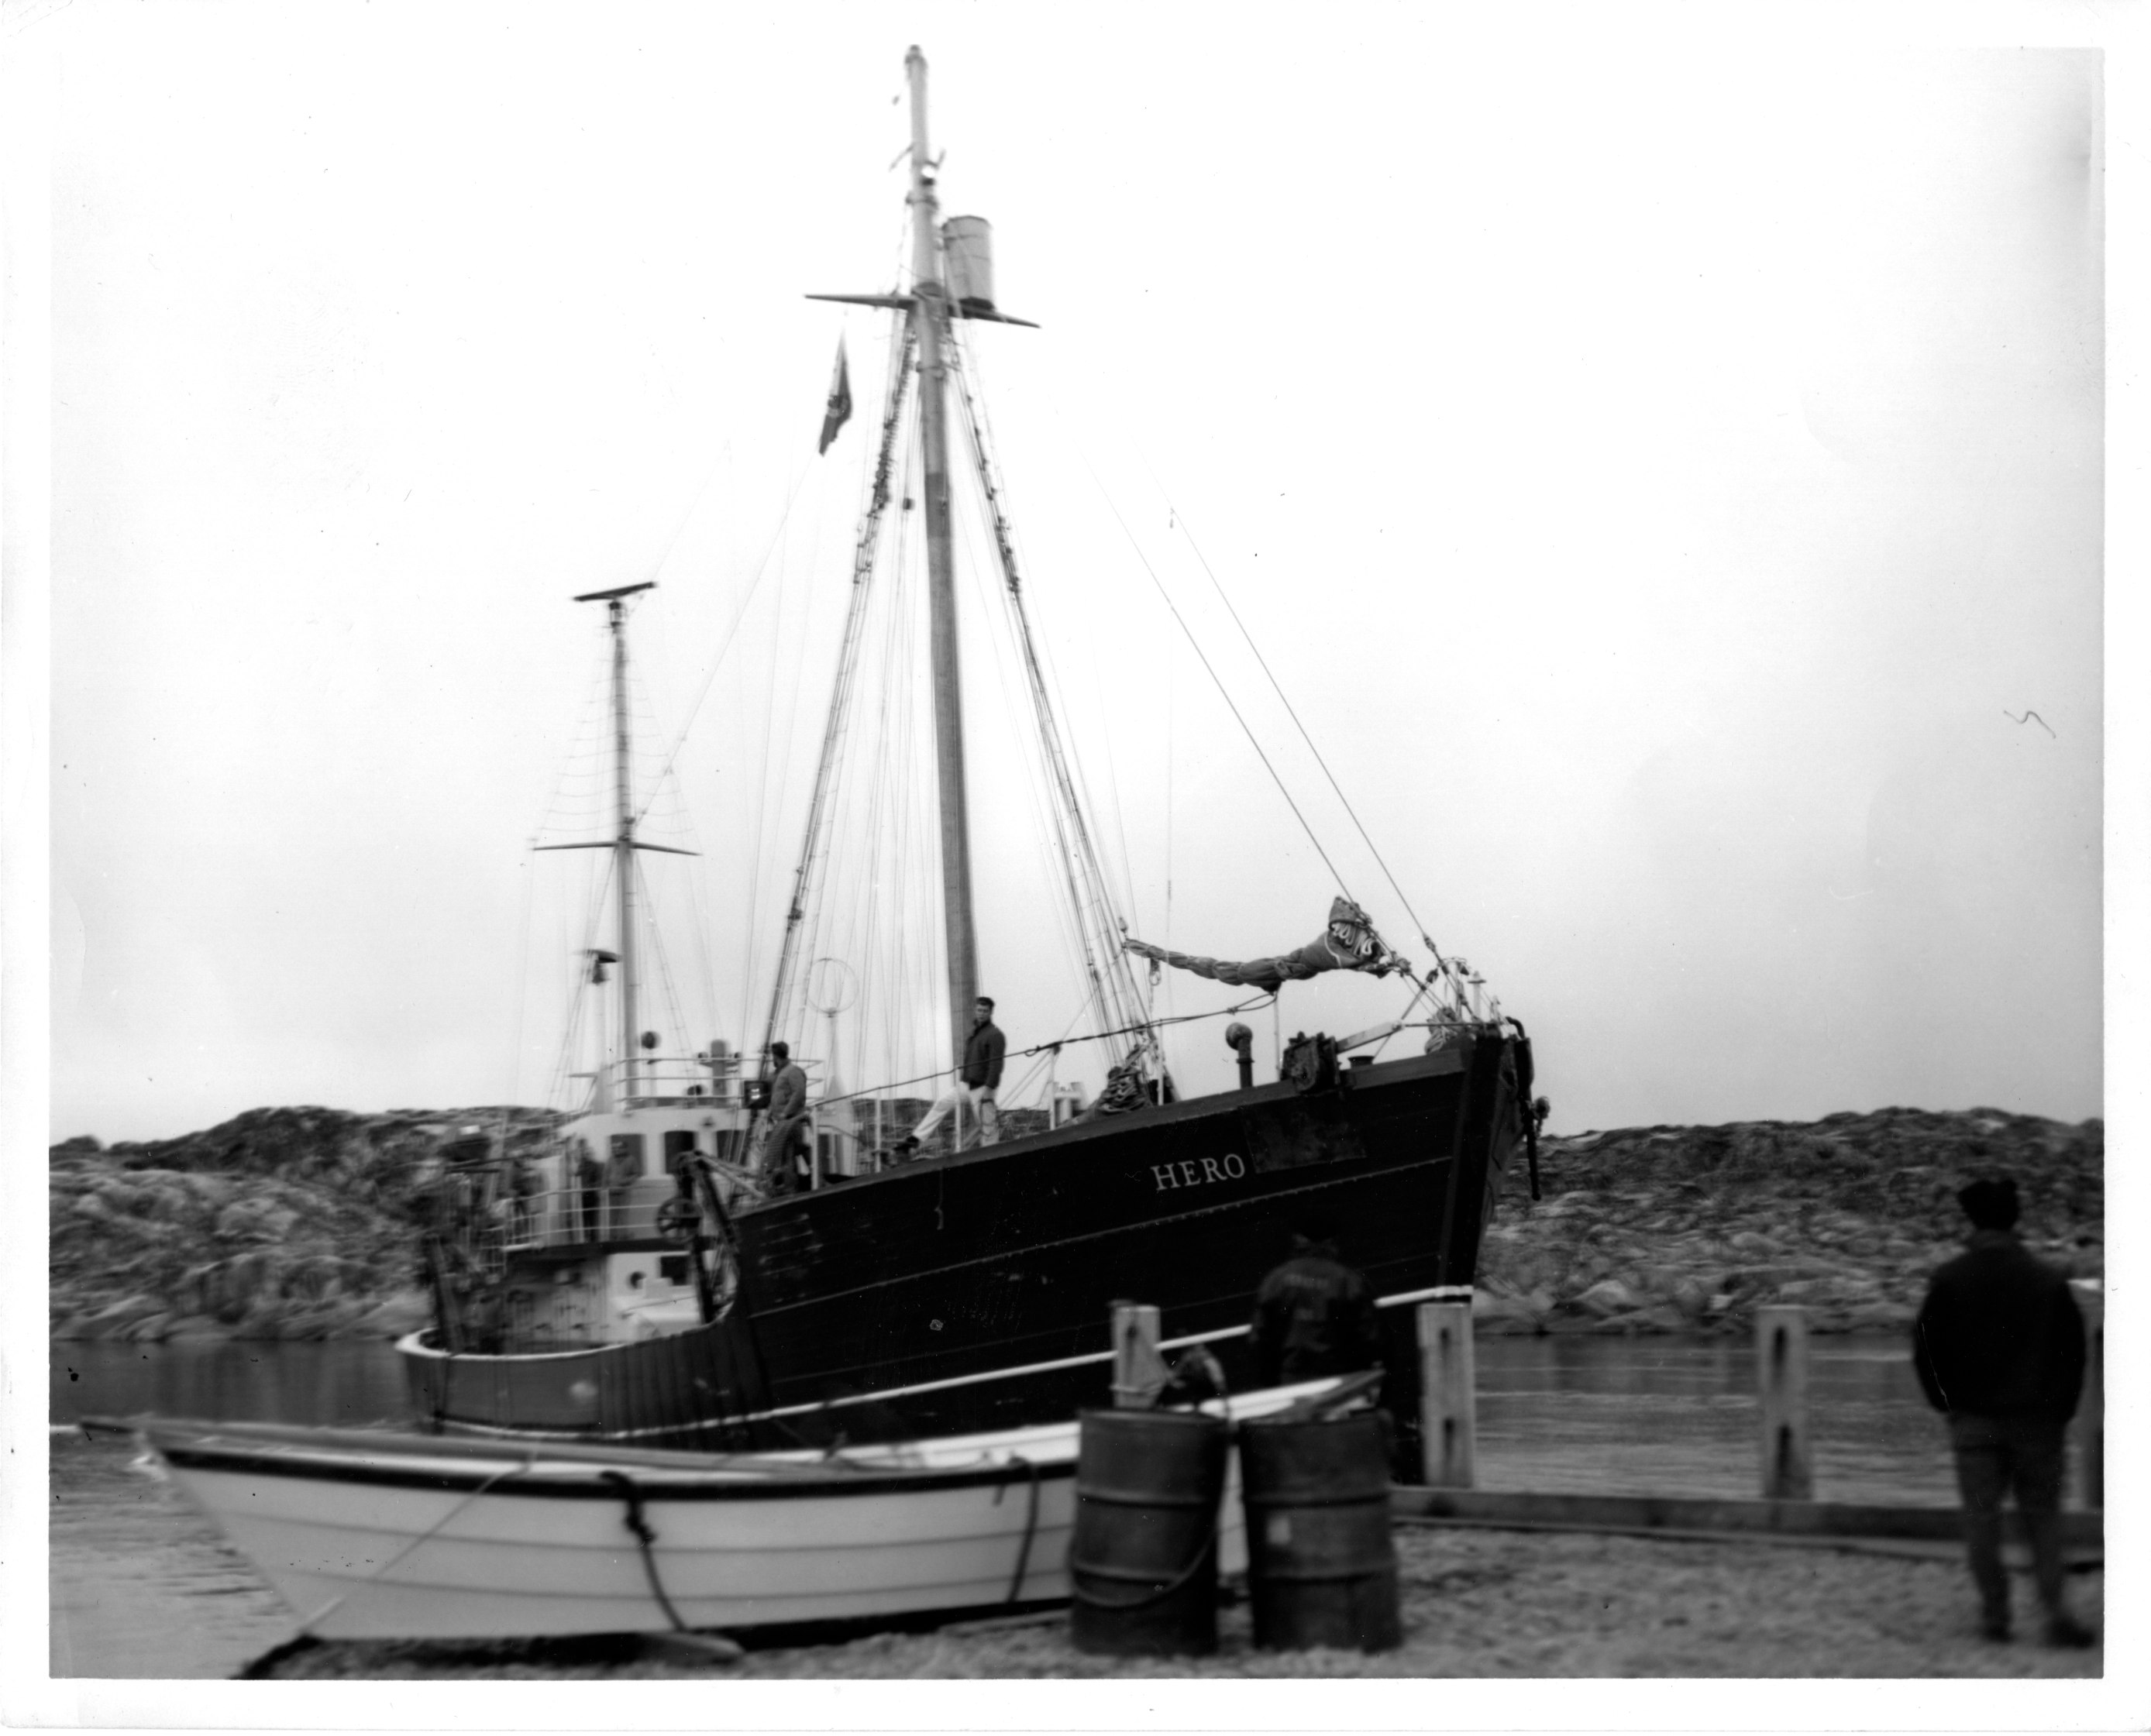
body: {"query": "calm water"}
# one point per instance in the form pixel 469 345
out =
pixel 143 1587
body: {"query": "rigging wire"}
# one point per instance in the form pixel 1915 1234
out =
pixel 1068 916
pixel 1121 897
pixel 1171 999
pixel 583 772
pixel 732 632
pixel 829 769
pixel 601 884
pixel 1180 520
pixel 871 798
pixel 522 985
pixel 833 782
pixel 670 988
pixel 1224 693
pixel 772 764
pixel 1113 982
pixel 1255 1004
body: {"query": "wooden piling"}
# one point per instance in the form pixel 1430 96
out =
pixel 1449 1394
pixel 1139 1370
pixel 2091 1412
pixel 1781 1367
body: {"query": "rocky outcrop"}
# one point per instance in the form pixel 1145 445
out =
pixel 304 1222
pixel 1690 1229
pixel 281 1224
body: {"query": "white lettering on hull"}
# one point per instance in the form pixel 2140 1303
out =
pixel 1199 1171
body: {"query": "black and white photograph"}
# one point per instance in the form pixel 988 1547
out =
pixel 1173 847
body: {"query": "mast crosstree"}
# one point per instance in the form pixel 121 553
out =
pixel 623 844
pixel 937 298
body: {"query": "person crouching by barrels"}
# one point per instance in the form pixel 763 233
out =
pixel 1314 1315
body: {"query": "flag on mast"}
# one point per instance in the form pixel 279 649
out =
pixel 839 410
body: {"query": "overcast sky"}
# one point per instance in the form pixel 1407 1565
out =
pixel 1663 469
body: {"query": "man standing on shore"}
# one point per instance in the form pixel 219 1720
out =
pixel 975 1083
pixel 1999 1346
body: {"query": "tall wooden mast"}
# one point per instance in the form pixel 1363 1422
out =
pixel 623 844
pixel 623 841
pixel 929 306
pixel 929 320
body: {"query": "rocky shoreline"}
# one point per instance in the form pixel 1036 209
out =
pixel 297 1224
pixel 303 1222
pixel 1691 1229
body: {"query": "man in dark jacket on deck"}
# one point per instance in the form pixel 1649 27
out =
pixel 787 1142
pixel 1999 1346
pixel 976 1082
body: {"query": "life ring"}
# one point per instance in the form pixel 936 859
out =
pixel 678 1219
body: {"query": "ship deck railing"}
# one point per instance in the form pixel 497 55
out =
pixel 576 1217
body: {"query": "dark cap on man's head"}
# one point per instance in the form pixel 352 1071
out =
pixel 781 1049
pixel 1990 1203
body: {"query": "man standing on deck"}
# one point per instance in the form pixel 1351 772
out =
pixel 589 1185
pixel 1999 1346
pixel 1314 1315
pixel 787 1121
pixel 975 1083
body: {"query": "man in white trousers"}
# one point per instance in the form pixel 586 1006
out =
pixel 974 1085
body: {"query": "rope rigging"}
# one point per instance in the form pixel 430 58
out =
pixel 844 917
pixel 1147 1027
pixel 1179 520
pixel 1223 692
pixel 1444 969
pixel 1113 983
pixel 813 847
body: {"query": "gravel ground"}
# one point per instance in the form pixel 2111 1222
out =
pixel 1477 1603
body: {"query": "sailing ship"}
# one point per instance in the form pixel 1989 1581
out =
pixel 640 1285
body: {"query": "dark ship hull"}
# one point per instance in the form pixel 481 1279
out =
pixel 975 1292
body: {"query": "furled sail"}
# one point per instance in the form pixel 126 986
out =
pixel 1349 943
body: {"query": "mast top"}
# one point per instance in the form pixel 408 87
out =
pixel 617 591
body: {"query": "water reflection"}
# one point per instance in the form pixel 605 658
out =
pixel 1568 1414
pixel 339 1385
pixel 1674 1416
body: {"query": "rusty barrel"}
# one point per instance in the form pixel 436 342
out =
pixel 1322 1567
pixel 1143 1566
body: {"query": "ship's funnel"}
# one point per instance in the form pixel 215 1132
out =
pixel 967 246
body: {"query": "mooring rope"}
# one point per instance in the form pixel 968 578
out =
pixel 306 1627
pixel 1029 1531
pixel 644 1537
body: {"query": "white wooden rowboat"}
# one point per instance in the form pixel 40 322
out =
pixel 372 1535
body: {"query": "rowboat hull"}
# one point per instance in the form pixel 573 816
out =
pixel 975 1292
pixel 380 1536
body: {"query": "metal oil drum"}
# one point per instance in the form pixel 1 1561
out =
pixel 1143 1566
pixel 1322 1567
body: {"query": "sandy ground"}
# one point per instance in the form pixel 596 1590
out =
pixel 1477 1603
